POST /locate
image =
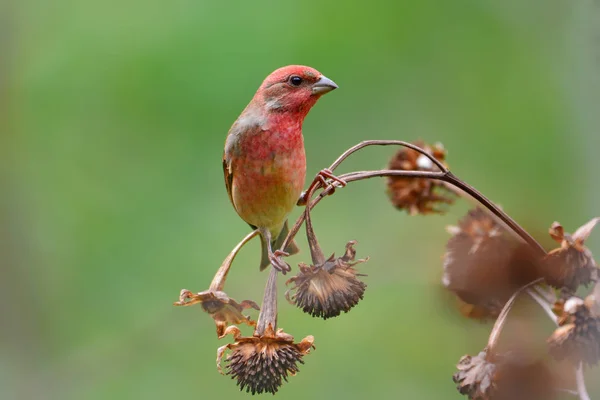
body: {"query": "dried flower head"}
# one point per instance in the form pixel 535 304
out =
pixel 223 309
pixel 572 264
pixel 482 265
pixel 328 289
pixel 416 195
pixel 261 363
pixel 503 377
pixel 578 336
pixel 475 376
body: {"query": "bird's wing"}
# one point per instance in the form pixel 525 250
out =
pixel 241 129
pixel 228 174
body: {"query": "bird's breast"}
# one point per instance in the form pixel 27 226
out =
pixel 270 171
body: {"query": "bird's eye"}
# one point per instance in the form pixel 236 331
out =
pixel 295 80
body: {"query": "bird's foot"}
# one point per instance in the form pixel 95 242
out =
pixel 278 263
pixel 321 179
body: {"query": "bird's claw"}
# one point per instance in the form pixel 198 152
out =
pixel 278 263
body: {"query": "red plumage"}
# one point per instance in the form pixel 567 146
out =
pixel 264 161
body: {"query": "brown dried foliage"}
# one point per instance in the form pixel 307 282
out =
pixel 418 196
pixel 483 266
pixel 503 377
pixel 577 338
pixel 223 309
pixel 572 264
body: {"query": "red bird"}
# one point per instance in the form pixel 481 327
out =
pixel 264 161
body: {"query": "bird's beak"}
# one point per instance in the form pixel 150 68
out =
pixel 323 85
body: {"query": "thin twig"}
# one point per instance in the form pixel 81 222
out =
pixel 218 281
pixel 318 258
pixel 366 143
pixel 442 176
pixel 268 308
pixel 454 180
pixel 581 389
pixel 493 339
pixel 544 304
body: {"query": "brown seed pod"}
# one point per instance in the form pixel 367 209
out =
pixel 261 363
pixel 483 266
pixel 572 264
pixel 417 195
pixel 577 338
pixel 504 377
pixel 326 290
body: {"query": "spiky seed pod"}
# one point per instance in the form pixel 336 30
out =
pixel 578 336
pixel 572 264
pixel 260 364
pixel 326 290
pixel 416 195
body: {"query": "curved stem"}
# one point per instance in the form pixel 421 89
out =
pixel 218 281
pixel 350 177
pixel 318 258
pixel 366 143
pixel 581 389
pixel 493 339
pixel 442 176
pixel 504 217
pixel 543 304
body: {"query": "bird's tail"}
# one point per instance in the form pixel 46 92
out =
pixel 291 248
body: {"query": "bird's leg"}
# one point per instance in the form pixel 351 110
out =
pixel 320 179
pixel 275 256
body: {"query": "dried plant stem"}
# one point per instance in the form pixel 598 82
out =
pixel 316 253
pixel 537 297
pixel 447 177
pixel 504 217
pixel 366 143
pixel 442 176
pixel 268 309
pixel 581 389
pixel 218 281
pixel 501 321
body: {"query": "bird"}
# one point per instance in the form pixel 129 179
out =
pixel 264 161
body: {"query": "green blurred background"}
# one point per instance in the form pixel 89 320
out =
pixel 113 117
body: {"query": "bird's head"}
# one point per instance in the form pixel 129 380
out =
pixel 295 88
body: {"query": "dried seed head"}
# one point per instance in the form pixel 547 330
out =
pixel 505 378
pixel 482 265
pixel 261 363
pixel 572 264
pixel 417 195
pixel 476 377
pixel 328 289
pixel 578 336
pixel 223 309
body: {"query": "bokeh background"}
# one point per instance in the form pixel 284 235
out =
pixel 113 117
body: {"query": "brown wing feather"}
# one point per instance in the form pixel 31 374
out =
pixel 228 174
